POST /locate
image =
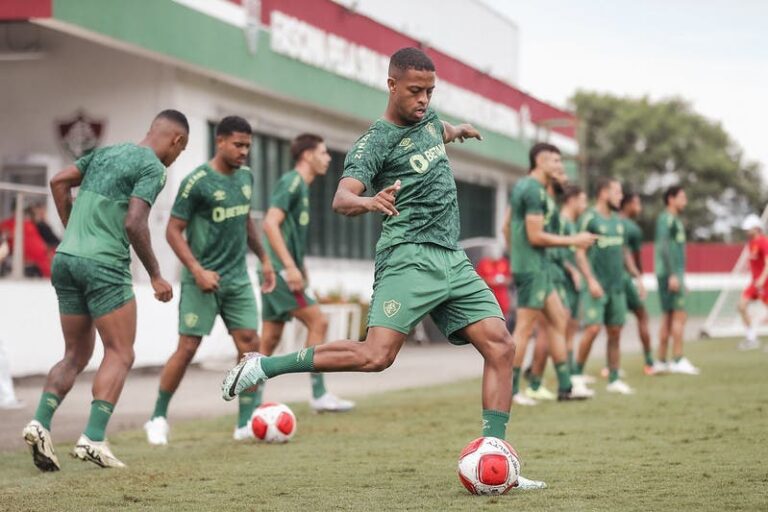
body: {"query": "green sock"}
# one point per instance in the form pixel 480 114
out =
pixel 563 377
pixel 578 369
pixel 318 385
pixel 258 395
pixel 161 404
pixel 535 382
pixel 649 358
pixel 515 380
pixel 613 375
pixel 247 403
pixel 101 411
pixel 45 409
pixel 571 361
pixel 495 423
pixel 296 362
pixel 677 359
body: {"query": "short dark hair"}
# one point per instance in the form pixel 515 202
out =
pixel 233 124
pixel 672 192
pixel 304 142
pixel 409 58
pixel 602 183
pixel 571 191
pixel 628 198
pixel 174 116
pixel 540 147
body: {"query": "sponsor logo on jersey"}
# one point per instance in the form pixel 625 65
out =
pixel 407 144
pixel 246 191
pixel 220 214
pixel 421 162
pixel 190 319
pixel 219 195
pixel 609 241
pixel 391 307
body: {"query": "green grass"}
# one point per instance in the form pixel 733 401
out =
pixel 682 443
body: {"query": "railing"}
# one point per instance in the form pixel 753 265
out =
pixel 22 191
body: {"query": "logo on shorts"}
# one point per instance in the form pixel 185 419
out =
pixel 190 319
pixel 219 195
pixel 592 313
pixel 391 307
pixel 246 191
pixel 540 296
pixel 304 218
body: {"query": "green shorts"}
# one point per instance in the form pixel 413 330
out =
pixel 413 280
pixel 533 288
pixel 610 309
pixel 634 302
pixel 235 303
pixel 89 287
pixel 559 282
pixel 573 298
pixel 671 301
pixel 278 305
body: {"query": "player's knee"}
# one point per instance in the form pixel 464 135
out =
pixel 187 351
pixel 76 361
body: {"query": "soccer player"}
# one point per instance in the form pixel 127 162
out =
pixel 286 227
pixel 528 215
pixel 757 247
pixel 631 206
pixel 92 277
pixel 213 207
pixel 574 205
pixel 420 268
pixel 670 272
pixel 603 270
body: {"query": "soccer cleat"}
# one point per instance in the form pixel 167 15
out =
pixel 245 374
pixel 41 445
pixel 243 433
pixel 540 394
pixel 157 430
pixel 526 484
pixel 97 452
pixel 684 367
pixel 660 367
pixel 331 403
pixel 747 344
pixel 574 394
pixel 582 380
pixel 619 387
pixel 648 369
pixel 521 399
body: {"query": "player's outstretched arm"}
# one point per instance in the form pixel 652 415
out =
pixel 348 200
pixel 459 132
pixel 137 229
pixel 266 264
pixel 61 190
pixel 538 237
pixel 206 280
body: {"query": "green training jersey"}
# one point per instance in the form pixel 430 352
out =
pixel 669 247
pixel 111 176
pixel 569 229
pixel 216 208
pixel 606 256
pixel 633 237
pixel 291 195
pixel 529 197
pixel 553 224
pixel 415 155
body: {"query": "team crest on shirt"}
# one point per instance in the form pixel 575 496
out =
pixel 219 195
pixel 246 191
pixel 431 129
pixel 602 229
pixel 190 319
pixel 391 307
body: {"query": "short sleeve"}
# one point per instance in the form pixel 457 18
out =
pixel 84 161
pixel 186 199
pixel 151 181
pixel 534 202
pixel 286 193
pixel 586 222
pixel 365 159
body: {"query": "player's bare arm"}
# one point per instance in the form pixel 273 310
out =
pixel 538 237
pixel 137 229
pixel 586 269
pixel 349 201
pixel 206 280
pixel 266 265
pixel 573 272
pixel 459 132
pixel 760 281
pixel 630 263
pixel 505 228
pixel 61 190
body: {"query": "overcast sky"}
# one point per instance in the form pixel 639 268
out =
pixel 714 53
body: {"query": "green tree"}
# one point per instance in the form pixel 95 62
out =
pixel 650 145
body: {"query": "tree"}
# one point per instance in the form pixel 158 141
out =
pixel 650 145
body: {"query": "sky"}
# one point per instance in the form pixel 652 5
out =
pixel 713 53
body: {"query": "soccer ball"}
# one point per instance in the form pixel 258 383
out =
pixel 273 423
pixel 489 466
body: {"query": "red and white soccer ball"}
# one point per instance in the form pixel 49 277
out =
pixel 489 466
pixel 273 423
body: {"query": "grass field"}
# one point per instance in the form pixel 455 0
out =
pixel 683 443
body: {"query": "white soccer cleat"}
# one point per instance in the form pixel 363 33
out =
pixel 97 452
pixel 521 399
pixel 580 390
pixel 540 394
pixel 526 484
pixel 157 430
pixel 331 403
pixel 243 433
pixel 747 344
pixel 620 387
pixel 660 367
pixel 41 445
pixel 684 367
pixel 586 379
pixel 244 375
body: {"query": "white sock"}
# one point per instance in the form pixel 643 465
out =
pixel 751 334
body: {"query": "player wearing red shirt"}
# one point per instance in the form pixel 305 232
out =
pixel 497 274
pixel 758 264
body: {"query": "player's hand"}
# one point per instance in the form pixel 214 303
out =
pixel 207 280
pixel 268 280
pixel 673 283
pixel 163 290
pixel 584 240
pixel 293 278
pixel 466 131
pixel 641 291
pixel 384 201
pixel 595 289
pixel 576 279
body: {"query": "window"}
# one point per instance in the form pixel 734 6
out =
pixel 477 208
